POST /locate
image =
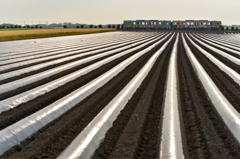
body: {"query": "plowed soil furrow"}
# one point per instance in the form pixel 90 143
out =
pixel 56 136
pixel 124 132
pixel 147 147
pixel 229 88
pixel 218 141
pixel 224 60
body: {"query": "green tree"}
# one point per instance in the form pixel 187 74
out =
pixel 222 27
pixel 32 27
pixel 90 26
pixel 28 26
pixel 232 28
pixel 11 26
pixel 24 26
pixel 16 26
pixel 236 28
pixel 100 26
pixel 8 27
pixel 82 26
pixel 109 26
pixel 0 27
pixel 227 28
pixel 122 27
pixel 3 27
pixel 36 26
pixel 40 27
pixel 95 26
pixel 78 26
pixel 118 27
pixel 65 26
pixel 19 26
pixel 113 26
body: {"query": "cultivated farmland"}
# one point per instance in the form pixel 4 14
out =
pixel 21 34
pixel 121 95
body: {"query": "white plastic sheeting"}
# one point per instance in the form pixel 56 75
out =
pixel 230 57
pixel 46 64
pixel 24 128
pixel 171 145
pixel 224 38
pixel 227 47
pixel 24 46
pixel 222 47
pixel 31 94
pixel 221 40
pixel 226 111
pixel 233 74
pixel 57 54
pixel 28 80
pixel 18 64
pixel 89 139
pixel 73 48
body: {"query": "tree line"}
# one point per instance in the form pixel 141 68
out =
pixel 228 28
pixel 18 26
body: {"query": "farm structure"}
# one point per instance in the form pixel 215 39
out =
pixel 176 24
pixel 196 24
pixel 147 24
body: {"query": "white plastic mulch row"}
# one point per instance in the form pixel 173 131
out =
pixel 36 77
pixel 171 145
pixel 217 45
pixel 56 54
pixel 46 64
pixel 72 48
pixel 230 47
pixel 233 74
pixel 215 38
pixel 225 39
pixel 83 52
pixel 222 53
pixel 84 145
pixel 225 110
pixel 27 47
pixel 24 128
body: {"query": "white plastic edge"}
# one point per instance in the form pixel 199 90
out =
pixel 84 145
pixel 233 74
pixel 24 128
pixel 226 111
pixel 171 145
pixel 229 57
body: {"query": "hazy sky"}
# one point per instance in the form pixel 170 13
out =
pixel 115 11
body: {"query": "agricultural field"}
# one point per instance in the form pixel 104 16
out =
pixel 20 34
pixel 121 95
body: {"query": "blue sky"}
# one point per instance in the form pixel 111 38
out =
pixel 115 11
